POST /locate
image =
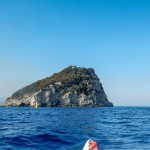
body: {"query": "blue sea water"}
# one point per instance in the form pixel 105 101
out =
pixel 69 128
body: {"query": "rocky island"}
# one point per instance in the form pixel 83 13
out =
pixel 72 87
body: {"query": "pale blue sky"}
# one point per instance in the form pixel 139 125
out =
pixel 41 37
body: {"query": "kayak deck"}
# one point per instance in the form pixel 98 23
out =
pixel 90 145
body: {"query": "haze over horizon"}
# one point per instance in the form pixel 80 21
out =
pixel 41 37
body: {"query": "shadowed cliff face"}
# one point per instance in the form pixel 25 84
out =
pixel 73 86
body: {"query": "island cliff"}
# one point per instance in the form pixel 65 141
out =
pixel 73 86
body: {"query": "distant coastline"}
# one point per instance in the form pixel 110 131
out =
pixel 2 100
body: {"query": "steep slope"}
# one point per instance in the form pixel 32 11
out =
pixel 73 86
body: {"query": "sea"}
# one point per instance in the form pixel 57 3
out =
pixel 55 128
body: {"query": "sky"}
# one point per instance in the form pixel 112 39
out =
pixel 42 37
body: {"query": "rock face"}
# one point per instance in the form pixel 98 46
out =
pixel 73 86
